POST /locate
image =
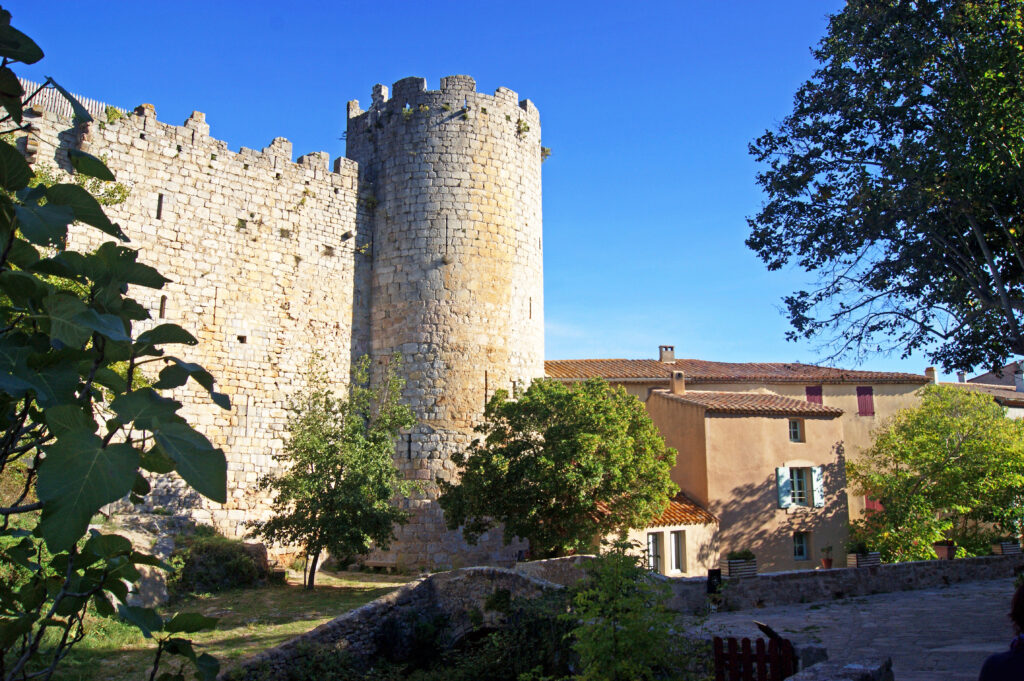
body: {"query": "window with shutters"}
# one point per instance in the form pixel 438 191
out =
pixel 813 393
pixel 865 401
pixel 800 486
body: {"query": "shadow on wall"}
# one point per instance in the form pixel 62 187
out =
pixel 708 551
pixel 750 518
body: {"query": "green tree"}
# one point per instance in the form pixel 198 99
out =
pixel 78 424
pixel 950 468
pixel 561 467
pixel 338 492
pixel 624 631
pixel 897 182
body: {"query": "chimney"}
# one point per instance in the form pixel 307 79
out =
pixel 931 375
pixel 961 377
pixel 1018 379
pixel 667 354
pixel 677 384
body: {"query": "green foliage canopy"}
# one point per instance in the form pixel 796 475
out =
pixel 78 422
pixel 561 467
pixel 951 468
pixel 338 491
pixel 897 181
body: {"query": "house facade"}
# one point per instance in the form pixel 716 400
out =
pixel 867 399
pixel 681 542
pixel 769 468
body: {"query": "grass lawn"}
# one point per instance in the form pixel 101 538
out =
pixel 251 620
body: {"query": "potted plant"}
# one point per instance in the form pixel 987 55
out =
pixel 741 563
pixel 858 555
pixel 826 557
pixel 944 549
pixel 1006 546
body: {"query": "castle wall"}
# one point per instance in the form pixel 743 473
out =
pixel 453 176
pixel 267 263
pixel 425 242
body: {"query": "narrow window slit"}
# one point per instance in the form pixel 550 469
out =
pixel 159 206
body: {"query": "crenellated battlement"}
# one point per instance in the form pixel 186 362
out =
pixel 456 95
pixel 180 141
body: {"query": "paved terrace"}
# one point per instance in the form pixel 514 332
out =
pixel 935 634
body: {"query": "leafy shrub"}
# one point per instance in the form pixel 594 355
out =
pixel 745 554
pixel 214 563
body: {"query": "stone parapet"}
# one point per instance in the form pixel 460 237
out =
pixel 689 594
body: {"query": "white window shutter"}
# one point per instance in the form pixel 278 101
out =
pixel 818 486
pixel 785 487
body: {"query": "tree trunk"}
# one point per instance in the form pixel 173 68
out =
pixel 314 558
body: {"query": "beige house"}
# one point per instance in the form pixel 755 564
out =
pixel 682 541
pixel 770 468
pixel 866 398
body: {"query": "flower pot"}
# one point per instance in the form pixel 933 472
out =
pixel 944 551
pixel 863 559
pixel 826 563
pixel 1006 548
pixel 741 568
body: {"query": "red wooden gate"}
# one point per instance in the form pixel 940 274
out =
pixel 735 661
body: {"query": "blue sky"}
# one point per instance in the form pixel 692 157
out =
pixel 648 109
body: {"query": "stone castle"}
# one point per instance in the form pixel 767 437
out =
pixel 424 241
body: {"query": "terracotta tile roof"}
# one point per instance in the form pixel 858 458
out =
pixel 702 371
pixel 683 510
pixel 1005 395
pixel 752 404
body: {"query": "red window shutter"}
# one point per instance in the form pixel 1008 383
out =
pixel 814 394
pixel 865 401
pixel 872 504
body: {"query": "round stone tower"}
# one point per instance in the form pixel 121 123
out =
pixel 450 181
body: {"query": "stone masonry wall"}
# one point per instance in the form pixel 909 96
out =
pixel 453 176
pixel 689 594
pixel 265 262
pixel 456 596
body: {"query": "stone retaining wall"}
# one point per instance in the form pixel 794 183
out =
pixel 459 596
pixel 803 586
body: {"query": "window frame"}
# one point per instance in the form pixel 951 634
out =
pixel 800 483
pixel 677 551
pixel 865 400
pixel 800 430
pixel 654 552
pixel 802 539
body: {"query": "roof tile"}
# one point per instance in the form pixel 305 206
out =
pixel 703 371
pixel 751 404
pixel 1006 395
pixel 683 511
